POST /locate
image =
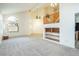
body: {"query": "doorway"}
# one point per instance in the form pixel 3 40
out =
pixel 77 30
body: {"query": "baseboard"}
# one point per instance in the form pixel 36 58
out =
pixel 18 36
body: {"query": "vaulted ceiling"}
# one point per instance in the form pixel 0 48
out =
pixel 7 8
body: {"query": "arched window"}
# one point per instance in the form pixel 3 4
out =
pixel 12 25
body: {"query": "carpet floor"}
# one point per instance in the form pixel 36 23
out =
pixel 29 46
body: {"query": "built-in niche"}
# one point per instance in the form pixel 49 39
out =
pixel 54 30
pixel 52 34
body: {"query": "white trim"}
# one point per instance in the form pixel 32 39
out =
pixel 51 41
pixel 57 34
pixel 53 25
pixel 53 37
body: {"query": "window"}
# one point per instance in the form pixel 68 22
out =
pixel 12 25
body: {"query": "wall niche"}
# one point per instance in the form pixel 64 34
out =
pixel 52 34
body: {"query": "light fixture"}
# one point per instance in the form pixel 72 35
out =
pixel 38 17
pixel 54 4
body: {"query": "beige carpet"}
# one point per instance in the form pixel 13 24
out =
pixel 31 46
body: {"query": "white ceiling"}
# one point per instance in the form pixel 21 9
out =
pixel 7 8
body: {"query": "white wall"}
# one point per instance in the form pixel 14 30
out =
pixel 37 26
pixel 27 25
pixel 1 27
pixel 23 22
pixel 67 24
pixel 67 21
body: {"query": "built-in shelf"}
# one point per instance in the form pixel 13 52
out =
pixel 52 36
pixel 51 40
pixel 57 34
pixel 52 25
pixel 54 39
pixel 51 32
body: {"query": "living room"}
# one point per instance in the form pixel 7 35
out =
pixel 39 25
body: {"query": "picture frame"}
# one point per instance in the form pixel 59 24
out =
pixel 13 27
